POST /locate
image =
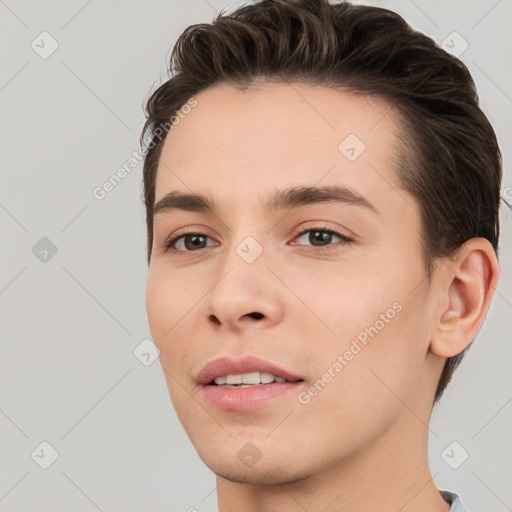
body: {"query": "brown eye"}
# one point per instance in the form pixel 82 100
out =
pixel 187 242
pixel 320 237
pixel 323 238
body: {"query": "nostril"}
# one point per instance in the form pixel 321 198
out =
pixel 215 319
pixel 256 315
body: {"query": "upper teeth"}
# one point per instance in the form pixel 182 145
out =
pixel 248 378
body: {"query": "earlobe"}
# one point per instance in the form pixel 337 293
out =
pixel 467 286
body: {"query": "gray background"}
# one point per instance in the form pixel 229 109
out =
pixel 71 323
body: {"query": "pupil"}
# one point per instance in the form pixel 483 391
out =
pixel 194 239
pixel 323 237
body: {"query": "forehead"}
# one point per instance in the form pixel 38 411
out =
pixel 277 135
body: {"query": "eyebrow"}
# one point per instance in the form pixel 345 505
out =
pixel 293 197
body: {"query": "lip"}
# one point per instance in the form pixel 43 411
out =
pixel 249 398
pixel 228 366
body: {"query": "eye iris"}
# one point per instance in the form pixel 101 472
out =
pixel 319 236
pixel 196 243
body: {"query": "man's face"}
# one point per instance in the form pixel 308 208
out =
pixel 352 317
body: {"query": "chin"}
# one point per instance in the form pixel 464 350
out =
pixel 268 473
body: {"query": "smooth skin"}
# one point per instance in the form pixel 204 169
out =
pixel 360 444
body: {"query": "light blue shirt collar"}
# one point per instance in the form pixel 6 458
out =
pixel 456 505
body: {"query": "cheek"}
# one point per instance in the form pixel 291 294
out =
pixel 348 299
pixel 171 295
pixel 167 306
pixel 172 298
pixel 158 301
pixel 372 378
pixel 377 326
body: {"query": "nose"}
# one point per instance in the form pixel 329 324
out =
pixel 244 295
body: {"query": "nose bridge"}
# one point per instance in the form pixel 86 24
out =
pixel 243 284
pixel 245 247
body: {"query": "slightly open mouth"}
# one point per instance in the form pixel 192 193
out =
pixel 212 383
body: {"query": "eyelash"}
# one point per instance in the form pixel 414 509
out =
pixel 168 245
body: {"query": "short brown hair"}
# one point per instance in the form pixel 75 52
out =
pixel 449 159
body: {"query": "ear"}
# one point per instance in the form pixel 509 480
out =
pixel 466 286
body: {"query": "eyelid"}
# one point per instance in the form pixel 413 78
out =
pixel 344 239
pixel 174 237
